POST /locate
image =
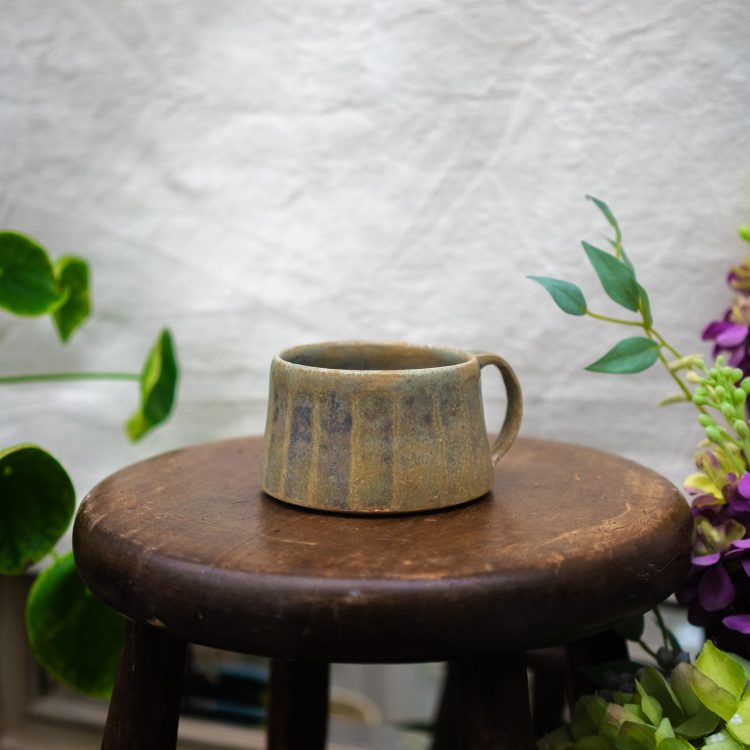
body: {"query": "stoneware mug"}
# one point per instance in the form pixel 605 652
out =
pixel 362 427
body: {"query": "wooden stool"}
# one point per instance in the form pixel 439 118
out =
pixel 188 548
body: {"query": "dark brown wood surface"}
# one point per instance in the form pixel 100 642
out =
pixel 298 705
pixel 569 540
pixel 145 705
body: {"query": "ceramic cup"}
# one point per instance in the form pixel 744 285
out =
pixel 361 427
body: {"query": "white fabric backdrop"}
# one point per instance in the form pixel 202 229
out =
pixel 263 173
pixel 260 174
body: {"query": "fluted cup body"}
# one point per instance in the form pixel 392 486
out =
pixel 363 427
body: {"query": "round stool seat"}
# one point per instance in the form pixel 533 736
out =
pixel 569 540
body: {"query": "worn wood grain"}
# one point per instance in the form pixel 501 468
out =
pixel 569 540
pixel 145 705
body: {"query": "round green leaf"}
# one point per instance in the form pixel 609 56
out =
pixel 37 501
pixel 27 282
pixel 158 386
pixel 72 276
pixel 616 278
pixel 568 297
pixel 630 355
pixel 75 637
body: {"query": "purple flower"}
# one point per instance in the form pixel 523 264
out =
pixel 737 494
pixel 740 623
pixel 731 339
pixel 709 583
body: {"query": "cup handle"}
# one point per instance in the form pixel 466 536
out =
pixel 514 410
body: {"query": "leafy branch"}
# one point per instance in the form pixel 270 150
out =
pixel 37 499
pixel 618 278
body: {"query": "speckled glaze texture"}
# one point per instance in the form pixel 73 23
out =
pixel 360 427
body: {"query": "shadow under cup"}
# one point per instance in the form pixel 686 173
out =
pixel 361 427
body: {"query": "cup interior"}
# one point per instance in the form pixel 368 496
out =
pixel 372 356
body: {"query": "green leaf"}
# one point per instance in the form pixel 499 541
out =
pixel 75 637
pixel 72 276
pixel 616 278
pixel 37 501
pixel 744 663
pixel 674 743
pixel 722 741
pixel 568 297
pixel 645 306
pixel 623 255
pixel 588 713
pixel 630 628
pixel 625 259
pixel 630 355
pixel 27 282
pixel 560 739
pixel 680 683
pixel 608 215
pixel 614 717
pixel 713 697
pixel 724 671
pixel 634 736
pixel 664 731
pixel 655 685
pixel 649 705
pixel 738 725
pixel 158 385
pixel 595 743
pixel 698 725
pixel 744 232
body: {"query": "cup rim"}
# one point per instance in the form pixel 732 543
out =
pixel 467 357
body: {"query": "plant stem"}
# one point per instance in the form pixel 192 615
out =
pixel 57 376
pixel 654 334
pixel 647 649
pixel 661 340
pixel 668 636
pixel 677 380
pixel 636 323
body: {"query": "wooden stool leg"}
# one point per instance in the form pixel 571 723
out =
pixel 485 706
pixel 145 706
pixel 298 707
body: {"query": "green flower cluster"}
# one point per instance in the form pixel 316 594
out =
pixel 725 390
pixel 702 706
